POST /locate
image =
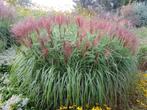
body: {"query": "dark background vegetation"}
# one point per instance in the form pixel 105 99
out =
pixel 106 4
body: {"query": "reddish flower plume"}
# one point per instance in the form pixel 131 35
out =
pixel 18 30
pixel 93 26
pixel 28 42
pixel 125 23
pixel 126 10
pixel 105 25
pixel 128 38
pixel 96 41
pixel 107 52
pixel 45 52
pixel 83 35
pixel 45 22
pixel 67 49
pixel 80 39
pixel 43 41
pixel 86 46
pixel 80 21
pixel 61 19
pixel 22 29
pixel 6 12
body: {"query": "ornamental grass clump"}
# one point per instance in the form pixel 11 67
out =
pixel 7 15
pixel 66 61
pixel 6 12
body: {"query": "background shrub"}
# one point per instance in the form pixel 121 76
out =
pixel 136 12
pixel 100 5
pixel 23 3
pixel 26 12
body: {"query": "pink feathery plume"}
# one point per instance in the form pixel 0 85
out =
pixel 87 45
pixel 67 49
pixel 45 51
pixel 107 52
pixel 97 39
pixel 80 39
pixel 93 26
pixel 113 29
pixel 80 21
pixel 22 29
pixel 43 43
pixel 61 20
pixel 6 12
pixel 45 22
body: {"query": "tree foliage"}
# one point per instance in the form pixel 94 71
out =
pixel 106 4
pixel 19 2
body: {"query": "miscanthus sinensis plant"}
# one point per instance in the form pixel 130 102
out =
pixel 73 60
pixel 7 17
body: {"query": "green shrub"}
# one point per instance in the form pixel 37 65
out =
pixel 75 64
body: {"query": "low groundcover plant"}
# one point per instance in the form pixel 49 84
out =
pixel 67 61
